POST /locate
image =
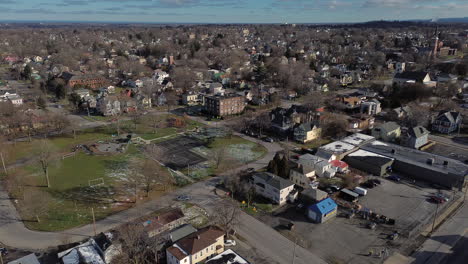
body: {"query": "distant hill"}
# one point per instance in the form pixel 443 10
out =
pixel 444 20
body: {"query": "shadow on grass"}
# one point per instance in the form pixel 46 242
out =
pixel 87 194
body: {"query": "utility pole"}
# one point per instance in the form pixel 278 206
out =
pixel 1 258
pixel 94 220
pixel 3 163
pixel 435 216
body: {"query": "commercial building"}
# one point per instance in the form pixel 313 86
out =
pixel 322 211
pixel 335 150
pixel 219 106
pixel 369 162
pixel 421 165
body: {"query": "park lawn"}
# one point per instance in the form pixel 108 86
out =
pixel 70 198
pixel 230 141
pixel 63 144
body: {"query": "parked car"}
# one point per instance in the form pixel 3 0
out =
pixel 437 200
pixel 440 195
pixel 230 243
pixel 269 139
pixel 394 178
pixel 335 188
pixel 368 184
pixel 376 181
pixel 372 225
pixel 3 251
pixel 183 198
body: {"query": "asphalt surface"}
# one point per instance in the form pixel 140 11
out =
pixel 440 247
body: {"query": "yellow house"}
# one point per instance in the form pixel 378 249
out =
pixel 197 247
pixel 307 132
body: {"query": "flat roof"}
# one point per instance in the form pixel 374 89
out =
pixel 417 157
pixel 358 139
pixel 370 157
pixel 337 147
pixel 227 257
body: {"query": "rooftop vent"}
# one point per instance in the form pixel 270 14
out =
pixel 393 151
pixel 446 163
pixel 430 161
pixel 338 146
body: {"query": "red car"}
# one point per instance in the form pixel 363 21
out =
pixel 437 199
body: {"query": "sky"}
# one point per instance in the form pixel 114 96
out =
pixel 230 11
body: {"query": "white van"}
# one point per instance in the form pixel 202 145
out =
pixel 360 191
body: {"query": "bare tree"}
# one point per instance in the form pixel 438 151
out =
pixel 232 183
pixel 226 216
pixel 151 175
pixel 35 203
pixel 136 246
pixel 45 155
pixel 219 156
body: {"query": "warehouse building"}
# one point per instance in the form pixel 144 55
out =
pixel 421 165
pixel 369 162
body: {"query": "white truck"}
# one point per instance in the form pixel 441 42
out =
pixel 361 191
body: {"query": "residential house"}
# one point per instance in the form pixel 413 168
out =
pixel 351 102
pixel 282 119
pixel 159 99
pixel 447 122
pixel 82 93
pixel 181 232
pixel 339 166
pixel 273 187
pixel 190 98
pixel 412 77
pixel 155 225
pixel 216 89
pixel 143 101
pixel 389 132
pixel 414 137
pixel 446 78
pixel 197 247
pixel 302 175
pixel 108 106
pixel 321 166
pixel 359 123
pixel 401 112
pixel 307 132
pixel 11 96
pixel 322 211
pixel 371 107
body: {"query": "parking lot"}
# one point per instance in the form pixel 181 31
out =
pixel 350 240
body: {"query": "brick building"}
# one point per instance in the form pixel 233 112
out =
pixel 229 104
pixel 84 80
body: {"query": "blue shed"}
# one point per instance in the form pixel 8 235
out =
pixel 322 211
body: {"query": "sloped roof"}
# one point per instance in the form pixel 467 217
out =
pixel 324 207
pixel 449 116
pixel 389 126
pixel 418 131
pixel 274 180
pixel 200 240
pixel 412 75
pixel 182 232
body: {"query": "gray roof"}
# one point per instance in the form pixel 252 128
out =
pixel 274 180
pixel 418 131
pixel 389 126
pixel 182 232
pixel 418 158
pixel 29 259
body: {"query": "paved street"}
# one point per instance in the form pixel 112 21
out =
pixel 440 244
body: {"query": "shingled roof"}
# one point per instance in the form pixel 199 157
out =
pixel 196 242
pixel 418 76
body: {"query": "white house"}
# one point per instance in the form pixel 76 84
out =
pixel 302 175
pixel 14 98
pixel 321 166
pixel 273 187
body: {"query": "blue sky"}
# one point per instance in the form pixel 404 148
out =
pixel 230 11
